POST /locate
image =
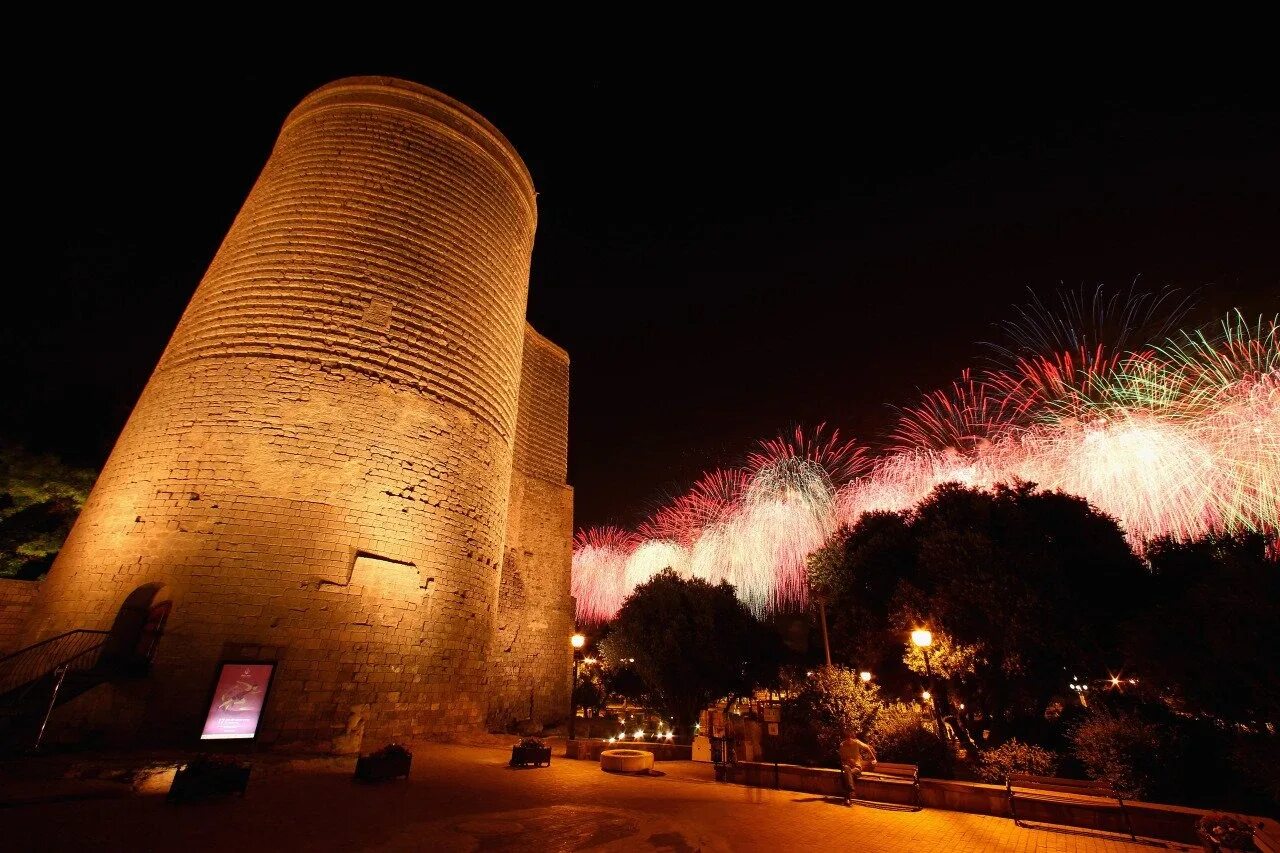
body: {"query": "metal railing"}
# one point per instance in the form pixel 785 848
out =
pixel 75 651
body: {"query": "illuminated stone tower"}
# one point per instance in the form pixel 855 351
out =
pixel 319 469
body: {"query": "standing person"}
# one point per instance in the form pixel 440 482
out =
pixel 856 758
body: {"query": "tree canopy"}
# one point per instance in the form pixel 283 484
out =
pixel 40 497
pixel 1020 586
pixel 692 643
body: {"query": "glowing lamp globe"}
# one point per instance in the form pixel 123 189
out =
pixel 865 676
pixel 926 696
pixel 578 641
pixel 922 638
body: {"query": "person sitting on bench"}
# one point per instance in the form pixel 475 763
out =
pixel 856 758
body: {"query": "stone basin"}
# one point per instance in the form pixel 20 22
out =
pixel 626 761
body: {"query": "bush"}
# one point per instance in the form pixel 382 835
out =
pixel 1256 758
pixel 1013 756
pixel 1227 830
pixel 828 706
pixel 1122 749
pixel 837 704
pixel 900 735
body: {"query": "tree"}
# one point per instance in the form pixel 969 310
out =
pixel 1225 592
pixel 40 497
pixel 828 705
pixel 1021 585
pixel 858 570
pixel 692 643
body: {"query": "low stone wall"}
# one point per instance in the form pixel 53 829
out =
pixel 16 600
pixel 1149 820
pixel 589 750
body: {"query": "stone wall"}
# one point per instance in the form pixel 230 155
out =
pixel 319 470
pixel 1148 820
pixel 16 600
pixel 531 656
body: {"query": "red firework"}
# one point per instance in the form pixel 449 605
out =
pixel 964 418
pixel 713 497
pixel 842 460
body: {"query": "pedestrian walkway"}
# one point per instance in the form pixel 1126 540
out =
pixel 465 798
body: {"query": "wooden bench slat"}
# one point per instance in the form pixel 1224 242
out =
pixel 1092 793
pixel 892 774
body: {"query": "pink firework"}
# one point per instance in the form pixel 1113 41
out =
pixel 965 419
pixel 841 460
pixel 1180 438
pixel 711 499
pixel 599 568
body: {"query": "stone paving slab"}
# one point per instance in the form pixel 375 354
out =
pixel 465 798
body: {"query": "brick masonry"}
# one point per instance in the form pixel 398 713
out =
pixel 531 655
pixel 16 600
pixel 320 469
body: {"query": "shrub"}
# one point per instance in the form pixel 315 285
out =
pixel 1014 756
pixel 1256 758
pixel 900 735
pixel 837 703
pixel 1227 830
pixel 1122 749
pixel 393 750
pixel 828 706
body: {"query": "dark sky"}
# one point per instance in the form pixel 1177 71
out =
pixel 724 252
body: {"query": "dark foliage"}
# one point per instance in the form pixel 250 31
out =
pixel 691 642
pixel 1224 592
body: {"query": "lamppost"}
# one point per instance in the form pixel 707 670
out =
pixel 577 641
pixel 923 640
pixel 822 617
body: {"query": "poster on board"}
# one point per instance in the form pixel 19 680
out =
pixel 238 699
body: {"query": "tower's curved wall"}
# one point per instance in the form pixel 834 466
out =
pixel 531 659
pixel 319 469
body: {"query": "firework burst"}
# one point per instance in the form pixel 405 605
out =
pixel 1173 435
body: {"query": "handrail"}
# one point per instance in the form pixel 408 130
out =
pixel 79 650
pixel 48 640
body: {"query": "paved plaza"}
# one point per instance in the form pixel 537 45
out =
pixel 465 798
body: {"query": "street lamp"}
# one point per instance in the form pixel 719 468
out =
pixel 577 641
pixel 923 640
pixel 865 676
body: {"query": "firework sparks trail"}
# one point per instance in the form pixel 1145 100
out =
pixel 1179 437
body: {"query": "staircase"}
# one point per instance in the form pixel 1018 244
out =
pixel 35 680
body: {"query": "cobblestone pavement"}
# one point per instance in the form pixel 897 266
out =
pixel 465 798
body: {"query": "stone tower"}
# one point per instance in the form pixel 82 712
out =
pixel 321 468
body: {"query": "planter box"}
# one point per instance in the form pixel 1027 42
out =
pixel 189 784
pixel 382 768
pixel 530 756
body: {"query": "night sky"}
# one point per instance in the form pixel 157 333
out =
pixel 723 252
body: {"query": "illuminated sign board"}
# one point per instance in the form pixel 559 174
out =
pixel 238 700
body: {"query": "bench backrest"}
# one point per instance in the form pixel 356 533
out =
pixel 910 771
pixel 1057 784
